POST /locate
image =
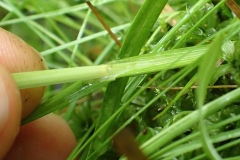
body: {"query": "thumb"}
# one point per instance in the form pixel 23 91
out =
pixel 10 111
pixel 17 56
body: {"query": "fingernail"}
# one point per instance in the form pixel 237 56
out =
pixel 4 105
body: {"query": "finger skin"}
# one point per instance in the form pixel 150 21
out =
pixel 48 138
pixel 18 56
pixel 11 128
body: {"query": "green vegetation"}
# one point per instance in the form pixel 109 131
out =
pixel 173 83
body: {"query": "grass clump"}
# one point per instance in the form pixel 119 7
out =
pixel 172 85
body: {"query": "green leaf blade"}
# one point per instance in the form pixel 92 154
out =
pixel 206 70
pixel 135 39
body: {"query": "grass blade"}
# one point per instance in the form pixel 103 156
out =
pixel 133 66
pixel 132 45
pixel 206 70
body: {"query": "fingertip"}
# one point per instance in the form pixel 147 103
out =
pixel 10 109
pixel 17 56
pixel 47 138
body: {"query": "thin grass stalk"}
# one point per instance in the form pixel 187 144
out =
pixel 205 72
pixel 127 67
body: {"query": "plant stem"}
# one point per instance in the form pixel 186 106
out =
pixel 103 23
pixel 234 7
pixel 195 87
pixel 108 72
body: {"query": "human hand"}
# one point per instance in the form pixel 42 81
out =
pixel 46 138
